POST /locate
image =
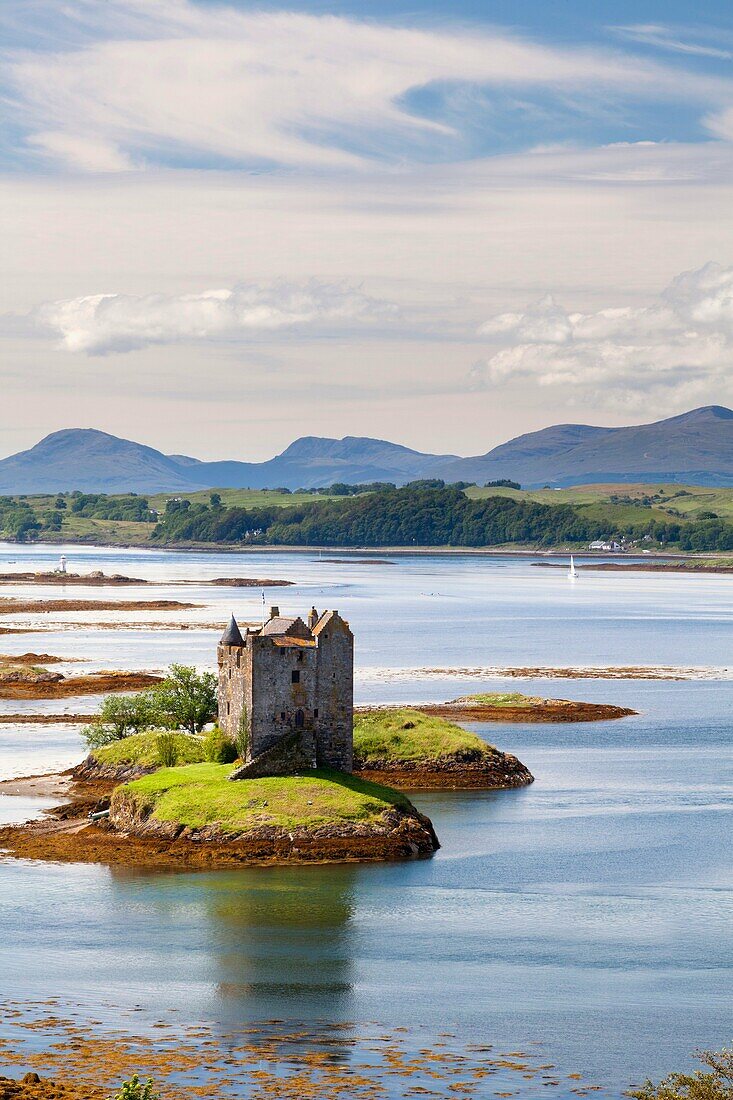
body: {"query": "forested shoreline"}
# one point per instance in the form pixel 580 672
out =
pixel 421 517
pixel 424 513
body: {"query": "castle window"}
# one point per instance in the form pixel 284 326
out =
pixel 315 713
pixel 228 708
pixel 295 676
pixel 282 715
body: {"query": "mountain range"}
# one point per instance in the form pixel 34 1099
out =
pixel 695 447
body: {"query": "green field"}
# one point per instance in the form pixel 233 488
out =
pixel 242 498
pixel 627 503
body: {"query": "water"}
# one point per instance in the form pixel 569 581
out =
pixel 590 913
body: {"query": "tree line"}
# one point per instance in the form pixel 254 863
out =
pixel 423 517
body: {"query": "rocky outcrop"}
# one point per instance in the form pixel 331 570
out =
pixel 42 684
pixel 133 837
pixel 91 771
pixel 400 832
pixel 468 769
pixel 33 1087
pixel 22 674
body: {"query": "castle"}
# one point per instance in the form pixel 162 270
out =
pixel 287 690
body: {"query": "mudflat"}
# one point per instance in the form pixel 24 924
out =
pixel 96 683
pixel 41 607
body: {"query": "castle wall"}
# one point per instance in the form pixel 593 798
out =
pixel 335 696
pixel 235 687
pixel 278 688
pixel 278 704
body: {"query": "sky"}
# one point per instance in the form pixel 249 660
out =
pixel 227 225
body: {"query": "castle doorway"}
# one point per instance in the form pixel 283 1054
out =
pixel 299 719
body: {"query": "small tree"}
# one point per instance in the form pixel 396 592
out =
pixel 187 698
pixel 122 715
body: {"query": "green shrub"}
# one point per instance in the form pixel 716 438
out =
pixel 716 1085
pixel 166 745
pixel 134 1089
pixel 218 748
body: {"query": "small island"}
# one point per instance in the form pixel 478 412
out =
pixel 21 679
pixel 288 773
pixel 408 748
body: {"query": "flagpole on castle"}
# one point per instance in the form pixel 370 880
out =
pixel 263 610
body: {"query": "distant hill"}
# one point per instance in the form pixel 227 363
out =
pixel 696 447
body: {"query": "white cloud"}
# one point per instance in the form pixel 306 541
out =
pixel 681 343
pixel 669 38
pixel 151 83
pixel 102 323
pixel 87 154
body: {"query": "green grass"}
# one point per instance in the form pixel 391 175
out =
pixel 202 794
pixel 141 748
pixel 241 498
pixel 595 500
pixel 406 734
pixel 501 699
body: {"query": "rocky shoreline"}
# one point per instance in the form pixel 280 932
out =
pixel 10 606
pixel 532 710
pixel 132 837
pixel 33 1087
pixel 137 842
pixel 22 684
pixel 466 770
pixel 98 579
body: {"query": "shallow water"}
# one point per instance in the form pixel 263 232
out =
pixel 590 912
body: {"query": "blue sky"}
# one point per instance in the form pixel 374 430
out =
pixel 440 223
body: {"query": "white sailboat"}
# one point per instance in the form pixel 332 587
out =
pixel 572 571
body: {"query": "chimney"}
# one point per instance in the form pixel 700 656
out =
pixel 274 612
pixel 312 618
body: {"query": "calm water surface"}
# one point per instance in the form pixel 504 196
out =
pixel 590 912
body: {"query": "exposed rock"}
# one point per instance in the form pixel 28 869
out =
pixel 466 770
pixel 52 685
pixel 33 1087
pixel 23 674
pixel 397 834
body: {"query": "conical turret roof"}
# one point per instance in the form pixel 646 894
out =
pixel 232 634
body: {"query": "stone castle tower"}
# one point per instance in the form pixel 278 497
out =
pixel 289 686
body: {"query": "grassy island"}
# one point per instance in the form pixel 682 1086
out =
pixel 411 748
pixel 402 733
pixel 398 746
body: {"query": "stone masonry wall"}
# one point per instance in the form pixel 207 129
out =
pixel 277 688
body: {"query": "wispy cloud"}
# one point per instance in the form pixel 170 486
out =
pixel 173 82
pixel 681 342
pixel 102 323
pixel 671 38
